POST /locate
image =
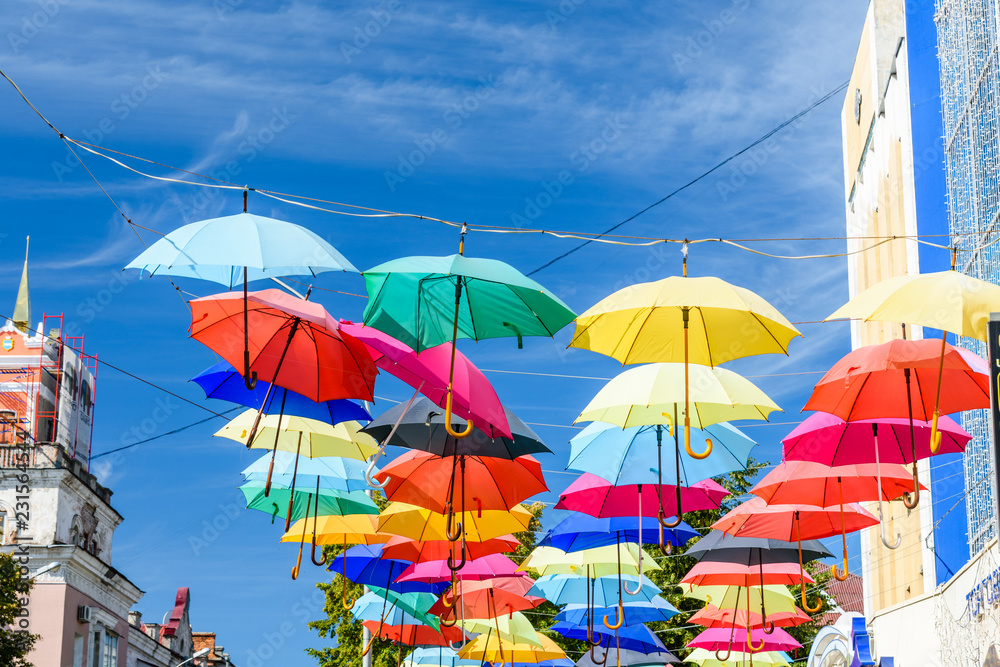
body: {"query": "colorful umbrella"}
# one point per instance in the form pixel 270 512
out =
pixel 734 597
pixel 514 628
pixel 596 562
pixel 404 548
pixel 373 607
pixel 579 531
pixel 897 379
pixel 285 502
pixel 415 635
pixel 332 472
pixel 634 613
pixel 634 638
pixel 713 617
pixel 705 658
pixel 596 496
pixel 487 567
pixel 572 589
pixel 490 648
pixel 419 523
pixel 438 656
pixel 717 546
pixel 331 529
pixel 483 599
pixel 363 565
pixel 716 639
pixel 624 658
pixel 414 604
pixel 714 573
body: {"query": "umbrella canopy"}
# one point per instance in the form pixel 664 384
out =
pixel 411 300
pixel 717 546
pixel 473 396
pixel 487 567
pixel 625 658
pixel 419 523
pixel 714 573
pixel 580 531
pixel 640 396
pixel 421 426
pixel 372 607
pixel 631 638
pixel 898 378
pixel 713 617
pixel 414 604
pixel 572 589
pixel 404 548
pixel 293 343
pixel 350 529
pixel 643 323
pixel 473 482
pixel 415 635
pixel 596 496
pixel 332 472
pixel 776 598
pixel 720 639
pixel 635 613
pixel 487 648
pixel 705 658
pixel 596 562
pixel 330 501
pixel 437 656
pixel 218 249
pixel 488 598
pixel 755 518
pixel 308 437
pixel 828 439
pixel 363 565
pixel 514 628
pixel 630 456
pixel 812 483
pixel 223 382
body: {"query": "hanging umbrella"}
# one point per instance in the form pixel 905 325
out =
pixel 755 518
pixel 735 597
pixel 691 320
pixel 624 658
pixel 437 656
pixel 473 397
pixel 811 483
pixel 487 567
pixel 332 472
pixel 596 562
pixel 897 379
pixel 947 300
pixel 415 635
pixel 705 658
pixel 716 639
pixel 293 343
pixel 579 531
pixel 474 482
pixel 408 299
pixel 481 599
pixel 596 496
pixel 404 548
pixel 223 382
pixel 572 589
pixel 717 546
pixel 416 605
pixel 362 565
pixel 634 638
pixel 285 502
pixel 514 628
pixel 419 523
pixel 713 573
pixel 488 647
pixel 634 613
pixel 331 529
pixel 246 246
pixel 372 607
pixel 713 617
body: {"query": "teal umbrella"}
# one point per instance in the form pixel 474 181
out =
pixel 285 502
pixel 392 608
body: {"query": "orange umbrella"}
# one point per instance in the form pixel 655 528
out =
pixel 415 551
pixel 486 599
pixel 414 635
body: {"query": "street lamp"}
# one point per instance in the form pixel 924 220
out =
pixel 198 654
pixel 51 567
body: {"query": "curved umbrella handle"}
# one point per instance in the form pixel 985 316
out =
pixel 595 660
pixel 935 433
pixel 687 443
pixel 451 563
pixel 621 618
pixel 302 542
pixel 381 450
pixel 274 514
pixel 344 602
pixel 639 588
pixel 452 537
pixel 447 624
pixel 878 478
pixel 368 646
pixel 768 630
pixel 805 605
pixel 802 578
pixel 444 600
pixel 668 524
pixel 249 377
pixel 843 533
pixel 669 547
pixel 447 419
pixel 754 649
pixel 298 563
pixel 836 574
pixel 719 656
pixel 312 553
pixel 375 484
pixel 916 486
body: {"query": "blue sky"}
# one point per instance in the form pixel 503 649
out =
pixel 463 111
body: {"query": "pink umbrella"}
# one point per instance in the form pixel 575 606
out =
pixel 598 497
pixel 478 569
pixel 473 396
pixel 719 639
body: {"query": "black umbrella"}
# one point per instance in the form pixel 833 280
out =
pixel 422 427
pixel 627 658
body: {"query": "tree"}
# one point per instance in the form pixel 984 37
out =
pixel 14 643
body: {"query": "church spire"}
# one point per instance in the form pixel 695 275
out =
pixel 22 309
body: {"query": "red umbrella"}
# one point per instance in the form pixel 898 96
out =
pixel 293 343
pixel 811 483
pixel 403 548
pixel 414 635
pixel 712 617
pixel 487 598
pixel 712 573
pixel 755 518
pixel 900 379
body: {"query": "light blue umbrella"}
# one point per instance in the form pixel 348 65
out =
pixel 630 456
pixel 395 609
pixel 636 613
pixel 563 589
pixel 437 656
pixel 332 472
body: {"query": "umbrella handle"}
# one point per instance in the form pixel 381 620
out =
pixel 298 563
pixel 444 601
pixel 451 563
pixel 687 442
pixel 595 660
pixel 344 602
pixel 802 578
pixel 302 542
pixel 669 546
pixel 452 537
pixel 249 377
pixel 718 654
pixel 916 482
pixel 447 624
pixel 843 533
pixel 381 450
pixel 754 649
pixel 371 467
pixel 447 419
pixel 639 587
pixel 935 434
pixel 274 514
pixel 368 646
pixel 878 477
pixel 621 617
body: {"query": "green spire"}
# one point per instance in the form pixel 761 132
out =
pixel 22 309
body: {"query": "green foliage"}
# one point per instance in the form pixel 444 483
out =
pixel 14 644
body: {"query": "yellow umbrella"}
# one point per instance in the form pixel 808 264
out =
pixel 419 523
pixel 488 647
pixel 309 437
pixel 514 628
pixel 329 529
pixel 649 394
pixel 706 658
pixel 946 300
pixel 596 562
pixel 691 320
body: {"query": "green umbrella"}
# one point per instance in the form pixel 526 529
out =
pixel 331 501
pixel 414 604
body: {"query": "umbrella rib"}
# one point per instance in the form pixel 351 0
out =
pixel 635 338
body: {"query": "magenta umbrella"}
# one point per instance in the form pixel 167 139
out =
pixel 428 372
pixel 722 639
pixel 598 497
pixel 477 569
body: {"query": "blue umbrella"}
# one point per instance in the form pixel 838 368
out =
pixel 629 456
pixel 363 564
pixel 637 638
pixel 573 589
pixel 332 472
pixel 437 656
pixel 224 382
pixel 644 611
pixel 582 531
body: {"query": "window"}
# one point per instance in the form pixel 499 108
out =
pixel 96 650
pixel 3 526
pixel 78 651
pixel 110 650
